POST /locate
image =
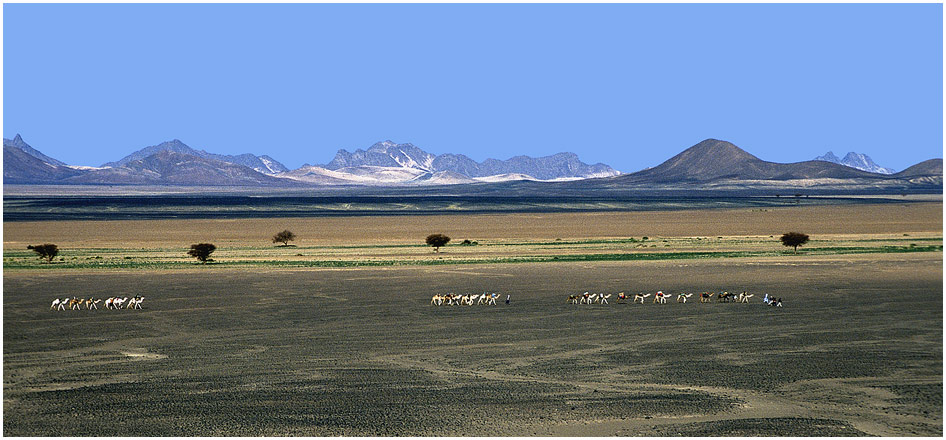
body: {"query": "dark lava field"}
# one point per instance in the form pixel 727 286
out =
pixel 856 350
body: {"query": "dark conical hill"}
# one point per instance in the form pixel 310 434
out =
pixel 714 159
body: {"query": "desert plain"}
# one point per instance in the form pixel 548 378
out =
pixel 336 334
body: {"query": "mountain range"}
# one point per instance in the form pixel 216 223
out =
pixel 856 160
pixel 710 162
pixel 263 164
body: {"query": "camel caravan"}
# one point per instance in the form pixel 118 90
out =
pixel 451 299
pixel 591 298
pixel 661 298
pixel 112 303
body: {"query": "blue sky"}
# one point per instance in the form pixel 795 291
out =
pixel 629 85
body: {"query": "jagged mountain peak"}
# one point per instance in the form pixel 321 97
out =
pixel 829 157
pixel 389 144
pixel 859 161
pixel 262 164
pixel 391 154
pixel 18 143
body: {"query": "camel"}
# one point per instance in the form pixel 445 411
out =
pixel 725 297
pixel 55 305
pixel 604 298
pixel 118 302
pixel 436 300
pixel 75 303
pixel 640 296
pixel 584 299
pixel 682 298
pixel 621 298
pixel 706 297
pixel 487 298
pixel 92 303
pixel 573 299
pixel 135 303
pixel 660 297
pixel 744 298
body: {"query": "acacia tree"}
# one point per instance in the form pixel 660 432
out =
pixel 202 251
pixel 437 240
pixel 284 237
pixel 46 250
pixel 794 239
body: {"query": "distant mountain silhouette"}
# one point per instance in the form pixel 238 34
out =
pixel 393 155
pixel 167 167
pixel 263 164
pixel 718 160
pixel 930 167
pixel 860 161
pixel 17 142
pixel 22 167
pixel 708 164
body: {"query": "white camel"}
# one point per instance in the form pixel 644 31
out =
pixel 604 298
pixel 640 296
pixel 55 305
pixel 135 303
pixel 660 297
pixel 744 298
pixel 682 298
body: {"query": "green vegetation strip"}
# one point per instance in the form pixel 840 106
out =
pixel 10 263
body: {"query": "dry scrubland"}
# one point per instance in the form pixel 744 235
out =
pixel 266 350
pixel 370 230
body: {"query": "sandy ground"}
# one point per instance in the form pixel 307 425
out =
pixel 329 231
pixel 857 349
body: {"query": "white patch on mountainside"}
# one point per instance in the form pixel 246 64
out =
pixel 405 160
pixel 611 173
pixel 442 178
pixel 505 177
pixel 365 175
pixel 271 167
pixel 384 174
pixel 86 168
